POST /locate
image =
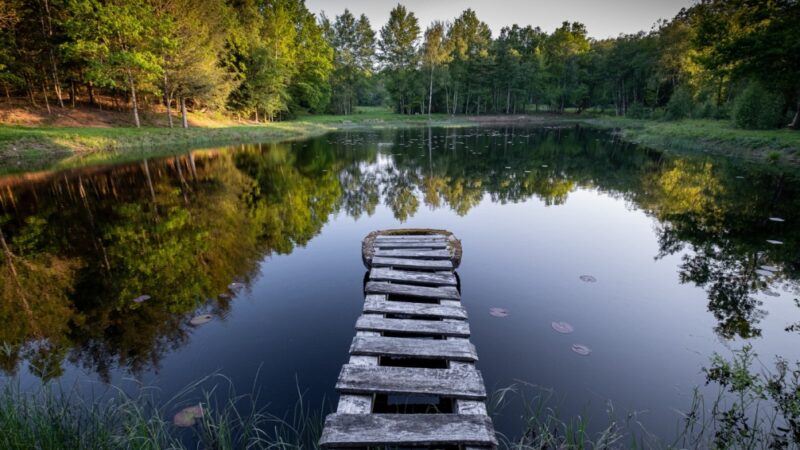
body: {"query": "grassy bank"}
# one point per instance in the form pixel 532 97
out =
pixel 26 148
pixel 711 136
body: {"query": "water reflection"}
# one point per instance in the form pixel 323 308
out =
pixel 80 246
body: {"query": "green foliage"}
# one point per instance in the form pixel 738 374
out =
pixel 680 105
pixel 758 109
pixel 398 54
pixel 273 59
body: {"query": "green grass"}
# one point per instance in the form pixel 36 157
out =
pixel 56 419
pixel 25 148
pixel 713 136
pixel 39 148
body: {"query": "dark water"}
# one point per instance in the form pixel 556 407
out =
pixel 673 242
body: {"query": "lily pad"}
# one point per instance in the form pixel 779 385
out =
pixel 201 319
pixel 581 349
pixel 776 219
pixel 188 416
pixel 235 286
pixel 498 312
pixel 141 298
pixel 588 279
pixel 562 327
pixel 774 242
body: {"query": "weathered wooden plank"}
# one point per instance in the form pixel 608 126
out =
pixel 424 264
pixel 411 290
pixel 460 384
pixel 348 430
pixel 405 276
pixel 439 278
pixel 411 237
pixel 459 350
pixel 355 404
pixel 375 322
pixel 410 244
pixel 414 253
pixel 374 305
pixel 471 407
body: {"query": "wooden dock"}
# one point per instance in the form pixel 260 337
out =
pixel 411 379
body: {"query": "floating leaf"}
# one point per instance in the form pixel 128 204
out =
pixel 225 296
pixel 562 327
pixel 235 286
pixel 188 416
pixel 498 312
pixel 769 268
pixel 141 298
pixel 201 319
pixel 764 273
pixel 544 165
pixel 588 279
pixel 771 293
pixel 776 219
pixel 774 242
pixel 581 349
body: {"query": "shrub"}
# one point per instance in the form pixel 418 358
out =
pixel 758 108
pixel 637 111
pixel 680 104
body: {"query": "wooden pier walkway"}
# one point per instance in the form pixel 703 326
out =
pixel 411 379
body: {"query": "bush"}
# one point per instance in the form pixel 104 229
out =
pixel 757 108
pixel 680 104
pixel 637 111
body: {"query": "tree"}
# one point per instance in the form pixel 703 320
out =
pixel 193 39
pixel 755 40
pixel 468 40
pixel 434 54
pixel 563 50
pixel 117 38
pixel 399 57
pixel 353 43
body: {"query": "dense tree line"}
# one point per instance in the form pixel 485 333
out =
pixel 264 59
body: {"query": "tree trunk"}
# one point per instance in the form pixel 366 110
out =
pixel 430 94
pixel 90 87
pixel 133 99
pixel 796 121
pixel 8 94
pixel 168 101
pixel 508 100
pixel 72 93
pixel 46 100
pixel 256 115
pixel 183 113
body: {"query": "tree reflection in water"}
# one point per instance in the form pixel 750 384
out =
pixel 82 244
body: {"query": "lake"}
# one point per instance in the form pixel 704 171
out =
pixel 656 260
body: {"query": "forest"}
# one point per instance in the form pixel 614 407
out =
pixel 268 60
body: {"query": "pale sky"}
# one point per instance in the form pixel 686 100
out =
pixel 603 18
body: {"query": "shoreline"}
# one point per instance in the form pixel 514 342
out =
pixel 35 148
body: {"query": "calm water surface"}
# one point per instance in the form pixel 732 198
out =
pixel 674 243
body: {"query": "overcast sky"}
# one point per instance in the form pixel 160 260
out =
pixel 603 18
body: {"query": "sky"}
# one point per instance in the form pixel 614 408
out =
pixel 603 18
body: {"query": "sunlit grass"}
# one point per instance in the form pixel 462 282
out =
pixel 706 135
